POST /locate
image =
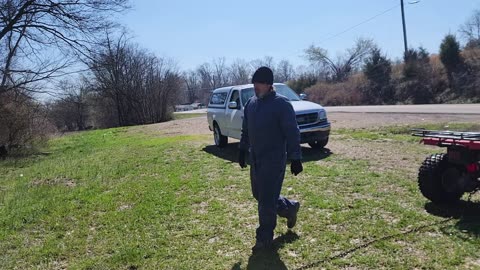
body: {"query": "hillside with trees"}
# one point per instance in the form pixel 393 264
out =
pixel 69 66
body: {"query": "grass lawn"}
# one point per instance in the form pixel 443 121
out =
pixel 114 199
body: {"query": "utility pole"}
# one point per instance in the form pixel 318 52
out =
pixel 404 27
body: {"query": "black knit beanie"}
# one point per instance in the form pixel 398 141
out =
pixel 263 75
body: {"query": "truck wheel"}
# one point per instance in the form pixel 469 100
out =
pixel 220 140
pixel 430 180
pixel 319 144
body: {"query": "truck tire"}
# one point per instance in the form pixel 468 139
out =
pixel 220 140
pixel 319 144
pixel 430 180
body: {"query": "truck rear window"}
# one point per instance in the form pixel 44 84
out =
pixel 218 99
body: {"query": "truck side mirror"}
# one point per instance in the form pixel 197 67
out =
pixel 233 105
pixel 303 96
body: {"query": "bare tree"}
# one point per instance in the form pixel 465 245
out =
pixel 141 86
pixel 22 65
pixel 206 73
pixel 70 110
pixel 22 120
pixel 33 31
pixel 40 40
pixel 240 72
pixel 212 75
pixel 220 76
pixel 192 85
pixel 470 30
pixel 342 67
pixel 284 71
pixel 267 61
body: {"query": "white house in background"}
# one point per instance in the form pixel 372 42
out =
pixel 182 108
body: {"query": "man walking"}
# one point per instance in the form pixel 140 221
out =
pixel 270 135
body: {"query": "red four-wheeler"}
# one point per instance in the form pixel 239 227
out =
pixel 444 178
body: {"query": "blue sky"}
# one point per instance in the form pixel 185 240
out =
pixel 193 32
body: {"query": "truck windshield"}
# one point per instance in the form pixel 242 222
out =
pixel 281 89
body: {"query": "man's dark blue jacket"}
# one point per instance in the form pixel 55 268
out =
pixel 270 130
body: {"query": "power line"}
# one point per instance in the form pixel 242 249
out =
pixel 360 23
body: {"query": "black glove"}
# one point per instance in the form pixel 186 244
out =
pixel 296 167
pixel 241 159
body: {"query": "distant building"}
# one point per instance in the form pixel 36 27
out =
pixel 189 107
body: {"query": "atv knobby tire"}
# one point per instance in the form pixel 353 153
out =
pixel 430 180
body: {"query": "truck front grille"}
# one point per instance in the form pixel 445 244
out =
pixel 305 119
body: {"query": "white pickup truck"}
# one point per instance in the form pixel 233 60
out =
pixel 225 114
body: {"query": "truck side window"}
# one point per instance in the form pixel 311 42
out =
pixel 247 94
pixel 236 97
pixel 218 99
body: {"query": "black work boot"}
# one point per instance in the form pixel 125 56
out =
pixel 262 246
pixel 292 216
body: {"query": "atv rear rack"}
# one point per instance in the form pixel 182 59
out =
pixel 470 140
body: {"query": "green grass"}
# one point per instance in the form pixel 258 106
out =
pixel 111 199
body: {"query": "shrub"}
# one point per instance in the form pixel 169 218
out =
pixel 349 92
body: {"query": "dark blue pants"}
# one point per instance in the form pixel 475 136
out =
pixel 266 180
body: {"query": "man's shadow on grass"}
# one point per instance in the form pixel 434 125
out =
pixel 270 259
pixel 230 153
pixel 466 213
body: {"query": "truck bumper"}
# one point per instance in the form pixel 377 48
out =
pixel 314 133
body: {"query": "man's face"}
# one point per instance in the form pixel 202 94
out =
pixel 261 89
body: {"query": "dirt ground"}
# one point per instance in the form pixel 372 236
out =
pixel 199 125
pixel 371 120
pixel 382 155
